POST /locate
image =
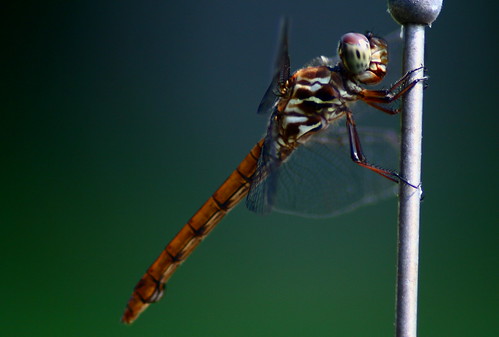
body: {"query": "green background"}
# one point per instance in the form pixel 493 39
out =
pixel 120 118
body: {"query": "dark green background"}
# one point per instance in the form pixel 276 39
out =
pixel 120 118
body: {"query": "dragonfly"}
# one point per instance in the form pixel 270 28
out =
pixel 281 172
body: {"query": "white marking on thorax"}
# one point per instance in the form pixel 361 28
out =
pixel 303 129
pixel 294 108
pixel 295 101
pixel 323 80
pixel 315 86
pixel 293 120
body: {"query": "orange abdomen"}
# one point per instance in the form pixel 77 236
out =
pixel 150 287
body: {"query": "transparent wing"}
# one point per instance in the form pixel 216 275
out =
pixel 320 180
pixel 281 72
pixel 261 195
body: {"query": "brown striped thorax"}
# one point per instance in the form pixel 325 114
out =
pixel 315 96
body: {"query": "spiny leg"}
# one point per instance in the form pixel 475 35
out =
pixel 358 157
pixel 406 77
pixel 376 97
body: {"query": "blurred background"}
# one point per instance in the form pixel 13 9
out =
pixel 119 119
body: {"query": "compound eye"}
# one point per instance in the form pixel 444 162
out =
pixel 355 52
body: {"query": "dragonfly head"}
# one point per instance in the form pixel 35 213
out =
pixel 354 52
pixel 364 56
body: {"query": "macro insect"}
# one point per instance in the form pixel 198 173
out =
pixel 303 107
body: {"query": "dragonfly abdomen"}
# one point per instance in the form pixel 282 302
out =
pixel 150 288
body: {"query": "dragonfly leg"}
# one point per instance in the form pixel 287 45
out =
pixel 358 157
pixel 376 97
pixel 404 79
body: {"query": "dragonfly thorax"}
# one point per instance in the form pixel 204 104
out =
pixel 315 96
